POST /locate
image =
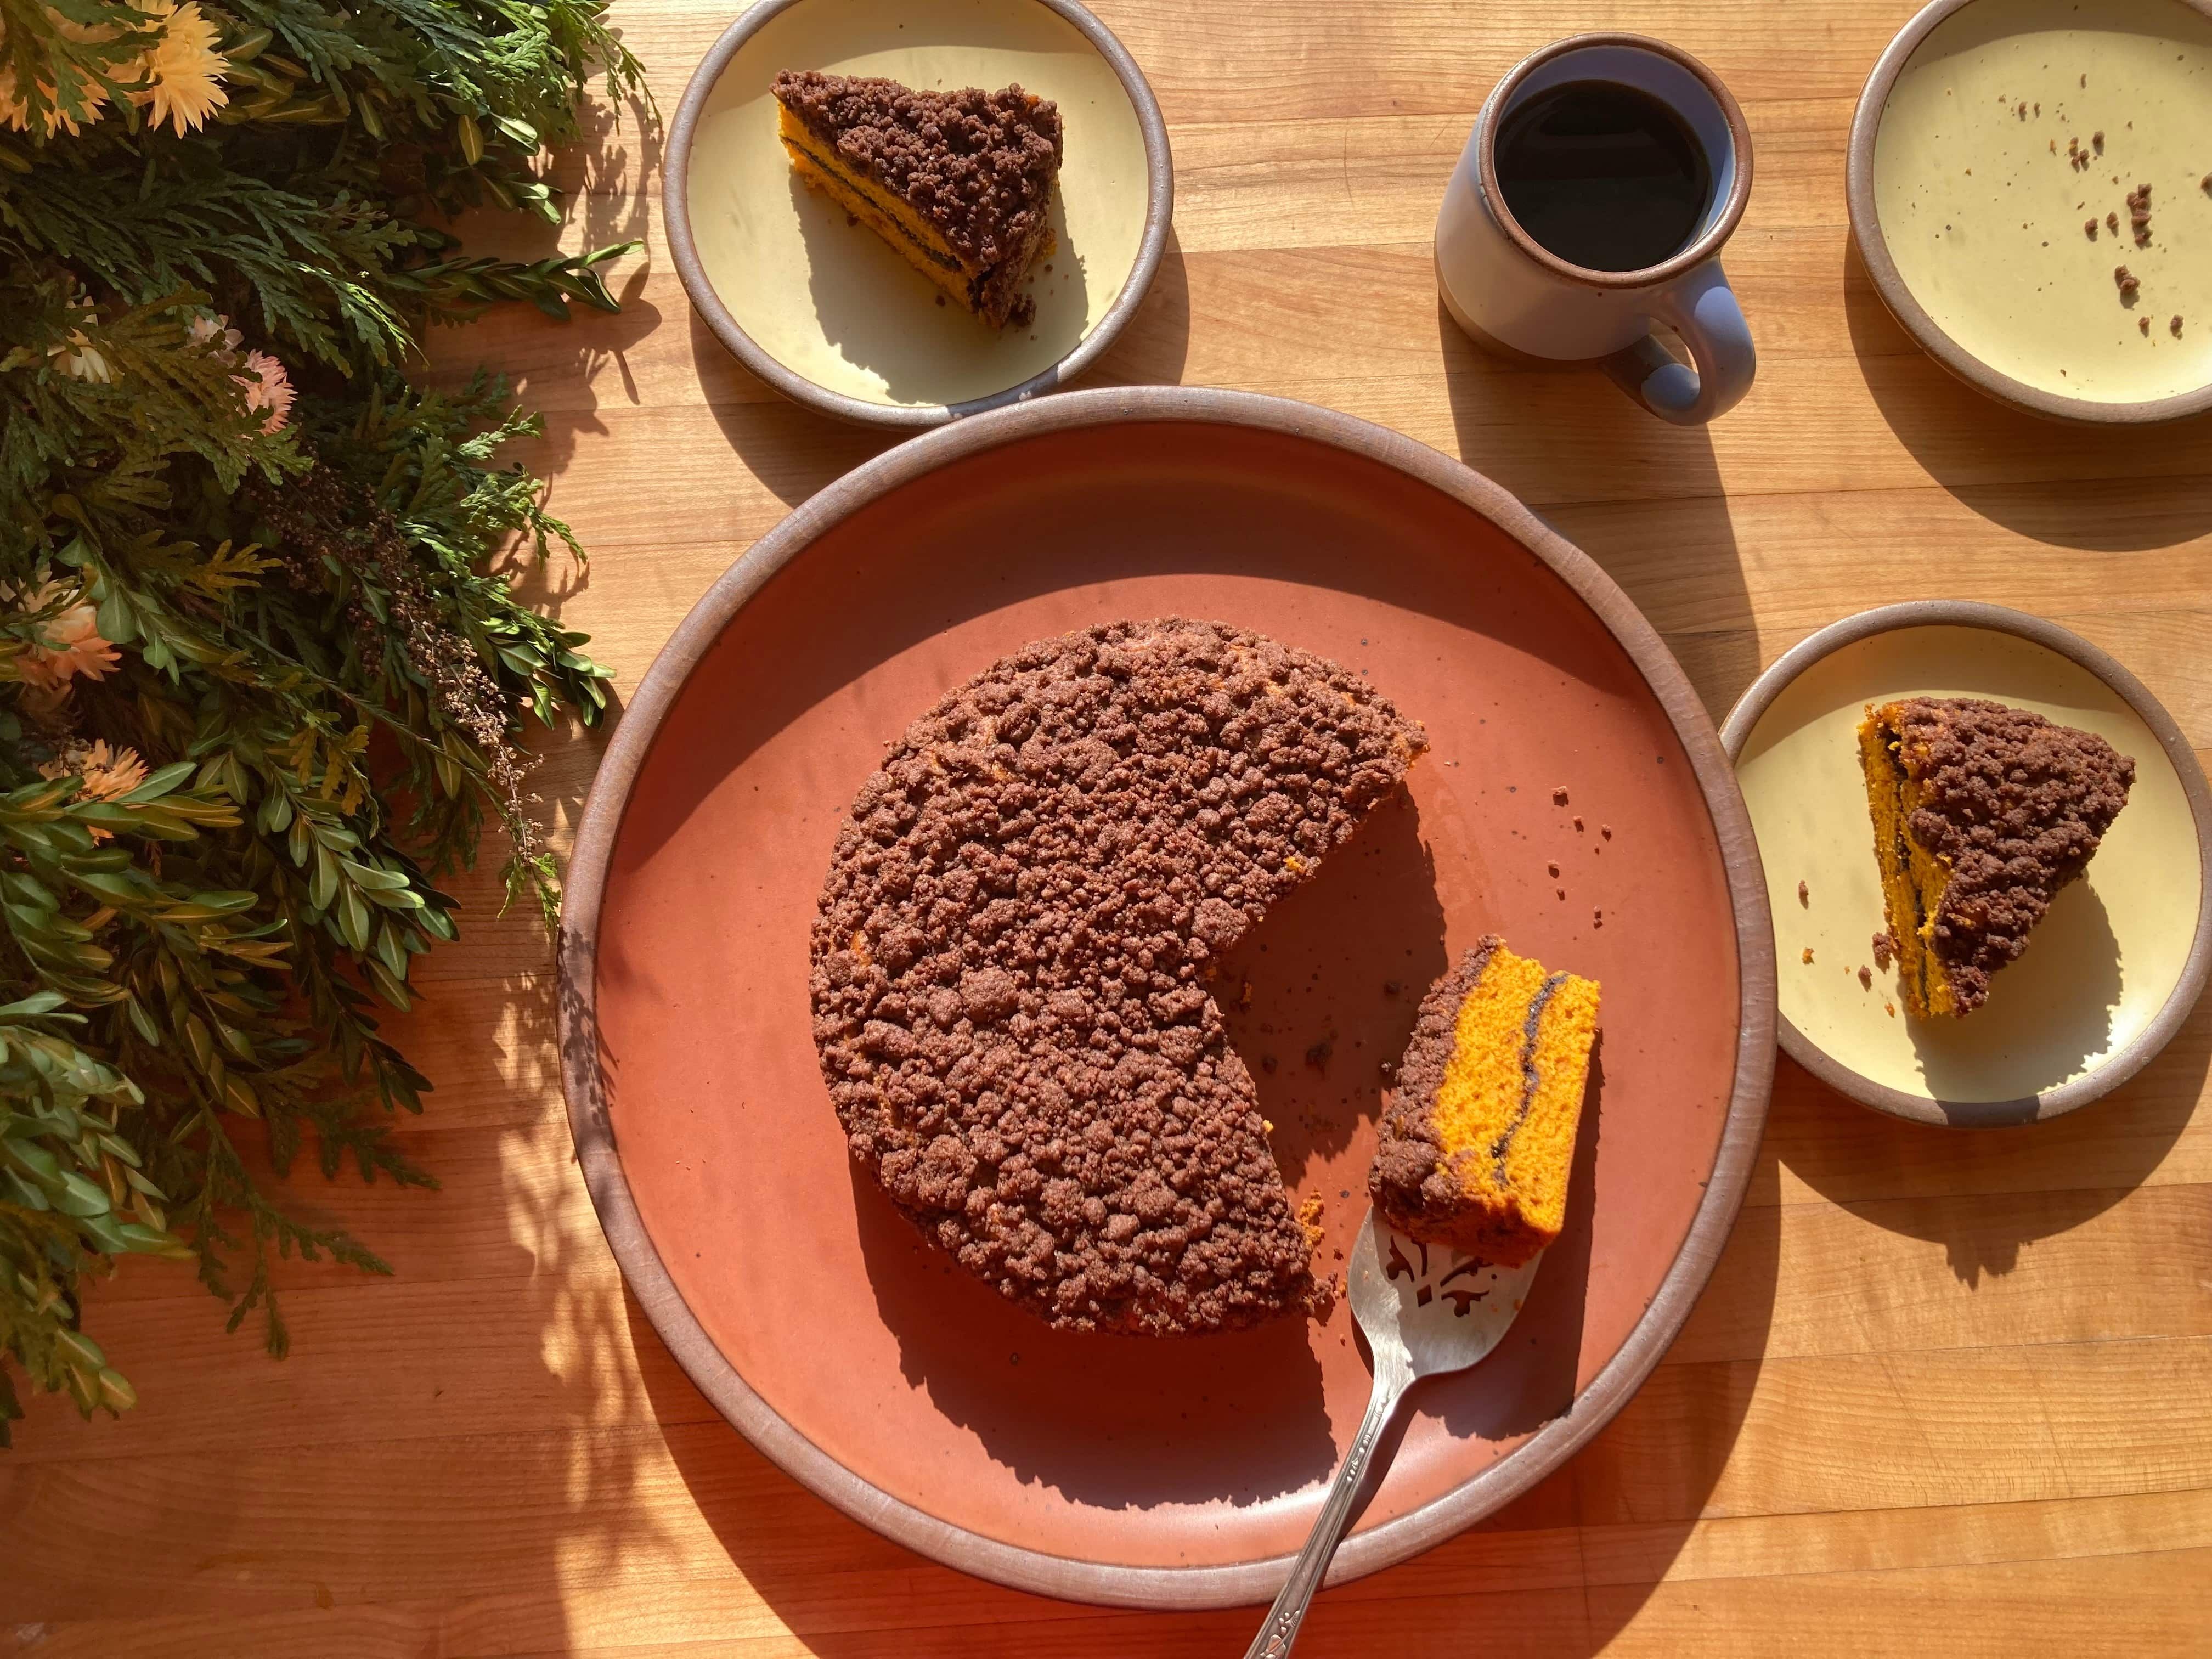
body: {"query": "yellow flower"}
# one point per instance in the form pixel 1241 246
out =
pixel 181 69
pixel 107 774
pixel 72 644
pixel 16 113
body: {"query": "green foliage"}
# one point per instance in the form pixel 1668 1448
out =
pixel 259 689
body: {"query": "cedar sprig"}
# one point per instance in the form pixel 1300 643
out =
pixel 263 678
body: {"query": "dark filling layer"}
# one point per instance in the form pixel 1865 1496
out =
pixel 934 255
pixel 1530 1077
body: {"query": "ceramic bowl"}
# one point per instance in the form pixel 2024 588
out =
pixel 2112 971
pixel 821 309
pixel 1991 161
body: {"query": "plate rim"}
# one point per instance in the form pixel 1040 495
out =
pixel 683 248
pixel 1889 283
pixel 2119 1068
pixel 1106 1585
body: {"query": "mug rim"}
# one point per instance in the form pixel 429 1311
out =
pixel 1708 242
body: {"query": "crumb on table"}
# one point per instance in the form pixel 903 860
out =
pixel 1804 894
pixel 1808 956
pixel 1866 977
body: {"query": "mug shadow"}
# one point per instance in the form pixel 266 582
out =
pixel 2098 488
pixel 1643 498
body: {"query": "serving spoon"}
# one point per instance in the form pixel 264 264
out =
pixel 1425 1309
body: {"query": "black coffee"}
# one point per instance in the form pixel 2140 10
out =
pixel 1604 175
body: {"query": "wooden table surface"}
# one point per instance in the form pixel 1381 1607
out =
pixel 1947 1393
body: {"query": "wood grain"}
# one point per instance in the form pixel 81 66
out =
pixel 1946 1392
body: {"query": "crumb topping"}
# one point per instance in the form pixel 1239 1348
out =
pixel 977 166
pixel 2015 805
pixel 1011 962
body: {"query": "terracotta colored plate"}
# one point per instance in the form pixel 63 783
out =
pixel 1176 1474
pixel 1999 253
pixel 2109 974
pixel 824 312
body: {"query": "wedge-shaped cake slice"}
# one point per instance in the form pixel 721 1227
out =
pixel 1982 813
pixel 959 183
pixel 1478 1138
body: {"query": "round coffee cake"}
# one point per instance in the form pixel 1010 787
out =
pixel 1011 958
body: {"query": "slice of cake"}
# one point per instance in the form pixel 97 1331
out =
pixel 959 183
pixel 1981 814
pixel 1475 1146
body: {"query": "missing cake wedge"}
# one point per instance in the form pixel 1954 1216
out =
pixel 959 183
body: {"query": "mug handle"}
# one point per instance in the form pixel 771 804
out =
pixel 1702 310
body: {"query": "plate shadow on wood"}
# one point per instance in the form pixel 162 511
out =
pixel 2098 489
pixel 1880 1167
pixel 1667 539
pixel 1156 344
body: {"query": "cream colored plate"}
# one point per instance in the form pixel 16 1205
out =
pixel 1982 213
pixel 2095 993
pixel 828 300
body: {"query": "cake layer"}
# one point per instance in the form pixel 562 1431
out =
pixel 819 163
pixel 1012 953
pixel 1475 1148
pixel 1982 814
pixel 943 270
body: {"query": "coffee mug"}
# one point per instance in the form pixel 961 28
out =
pixel 1607 139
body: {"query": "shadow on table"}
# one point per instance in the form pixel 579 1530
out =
pixel 2100 489
pixel 796 451
pixel 1642 497
pixel 1985 1194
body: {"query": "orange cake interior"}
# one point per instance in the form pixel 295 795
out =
pixel 1912 878
pixel 1477 1145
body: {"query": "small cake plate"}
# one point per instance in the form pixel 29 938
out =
pixel 2107 978
pixel 1993 178
pixel 821 309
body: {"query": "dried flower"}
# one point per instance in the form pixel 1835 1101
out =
pixel 181 70
pixel 267 386
pixel 81 359
pixel 105 774
pixel 209 326
pixel 15 114
pixel 72 645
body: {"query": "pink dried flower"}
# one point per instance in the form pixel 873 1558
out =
pixel 268 387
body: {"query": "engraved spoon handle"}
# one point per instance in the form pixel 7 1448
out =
pixel 1281 1631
